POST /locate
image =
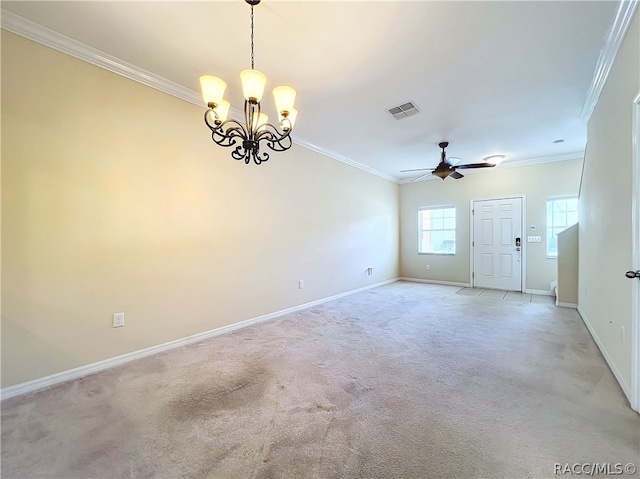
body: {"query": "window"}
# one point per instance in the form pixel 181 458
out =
pixel 437 230
pixel 561 213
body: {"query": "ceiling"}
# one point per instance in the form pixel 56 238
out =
pixel 499 77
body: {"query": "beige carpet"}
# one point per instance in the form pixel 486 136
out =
pixel 403 381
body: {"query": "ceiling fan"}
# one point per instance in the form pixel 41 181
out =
pixel 448 166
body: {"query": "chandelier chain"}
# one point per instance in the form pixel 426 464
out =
pixel 252 37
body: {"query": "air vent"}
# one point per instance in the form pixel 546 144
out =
pixel 404 110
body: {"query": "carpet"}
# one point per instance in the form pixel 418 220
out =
pixel 406 380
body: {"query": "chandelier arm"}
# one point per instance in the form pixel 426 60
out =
pixel 251 111
pixel 227 128
pixel 260 157
pixel 229 136
pixel 274 139
pixel 281 144
pixel 206 118
pixel 240 153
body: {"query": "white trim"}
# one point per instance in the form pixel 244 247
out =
pixel 45 36
pixel 523 244
pixel 433 281
pixel 635 255
pixel 82 371
pixel 539 292
pixel 576 155
pixel 567 305
pixel 343 159
pixel 605 355
pixel 612 43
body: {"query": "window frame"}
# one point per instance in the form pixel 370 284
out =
pixel 547 226
pixel 421 229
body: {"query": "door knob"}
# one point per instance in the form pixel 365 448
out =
pixel 632 274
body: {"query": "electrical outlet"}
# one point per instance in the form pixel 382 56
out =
pixel 428 267
pixel 118 320
pixel 300 284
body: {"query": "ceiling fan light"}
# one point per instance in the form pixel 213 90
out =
pixel 442 173
pixel 212 89
pixel 284 96
pixel 253 83
pixel 494 159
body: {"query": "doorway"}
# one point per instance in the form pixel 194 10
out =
pixel 497 243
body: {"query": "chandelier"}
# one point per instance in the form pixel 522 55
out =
pixel 247 136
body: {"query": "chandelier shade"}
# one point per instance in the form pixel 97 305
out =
pixel 212 89
pixel 246 137
pixel 287 120
pixel 222 110
pixel 284 97
pixel 253 83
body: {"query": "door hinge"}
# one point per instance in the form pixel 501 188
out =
pixel 473 275
pixel 473 243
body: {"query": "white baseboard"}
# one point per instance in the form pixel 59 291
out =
pixel 541 292
pixel 566 305
pixel 625 387
pixel 433 281
pixel 82 371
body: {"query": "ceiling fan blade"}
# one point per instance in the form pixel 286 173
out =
pixel 474 165
pixel 419 169
pixel 452 160
pixel 456 175
pixel 419 177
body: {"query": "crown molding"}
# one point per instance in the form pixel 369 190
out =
pixel 612 43
pixel 576 155
pixel 45 36
pixel 343 159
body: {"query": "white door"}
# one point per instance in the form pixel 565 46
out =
pixel 497 244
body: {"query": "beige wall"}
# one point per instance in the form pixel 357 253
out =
pixel 568 257
pixel 537 182
pixel 115 199
pixel 605 209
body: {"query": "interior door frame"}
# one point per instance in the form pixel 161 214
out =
pixel 635 255
pixel 523 252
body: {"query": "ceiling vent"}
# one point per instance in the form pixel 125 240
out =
pixel 404 110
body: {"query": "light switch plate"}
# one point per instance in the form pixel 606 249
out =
pixel 534 239
pixel 118 320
